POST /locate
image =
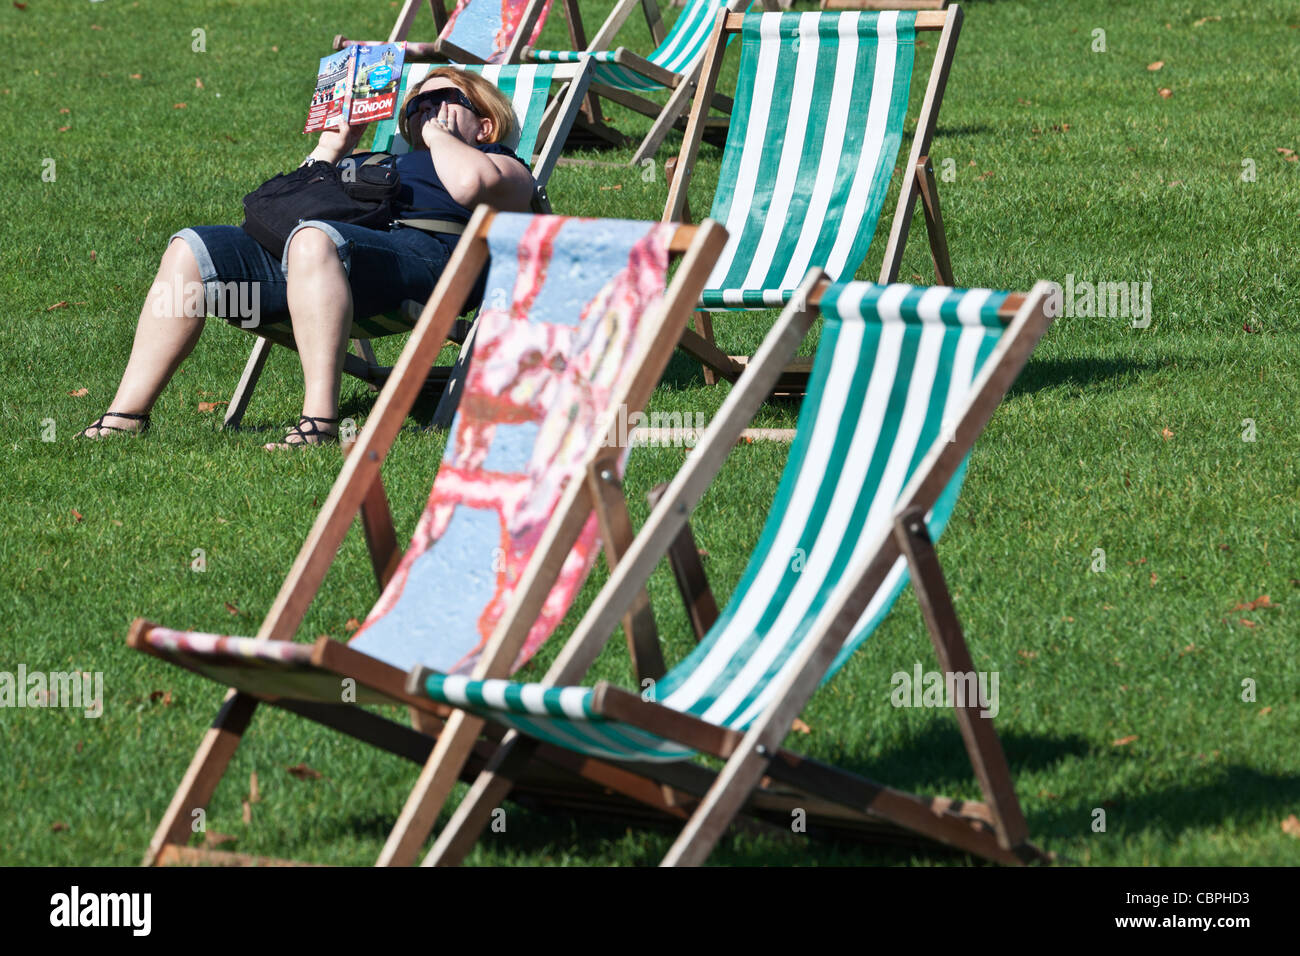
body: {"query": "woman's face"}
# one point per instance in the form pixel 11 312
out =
pixel 461 121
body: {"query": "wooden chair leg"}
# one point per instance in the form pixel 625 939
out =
pixel 701 344
pixel 247 382
pixel 677 106
pixel 205 771
pixel 485 795
pixel 982 743
pixel 688 570
pixel 427 797
pixel 934 222
pixel 616 537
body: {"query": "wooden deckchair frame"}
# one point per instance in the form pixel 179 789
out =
pixel 362 363
pixel 359 490
pixel 758 753
pixel 918 182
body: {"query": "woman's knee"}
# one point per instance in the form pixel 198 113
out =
pixel 311 248
pixel 178 262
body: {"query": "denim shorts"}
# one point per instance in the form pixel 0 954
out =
pixel 384 269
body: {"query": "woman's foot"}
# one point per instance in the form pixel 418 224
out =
pixel 111 423
pixel 308 431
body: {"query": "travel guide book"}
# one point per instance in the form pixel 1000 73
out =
pixel 359 83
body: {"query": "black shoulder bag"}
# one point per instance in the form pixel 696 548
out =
pixel 364 194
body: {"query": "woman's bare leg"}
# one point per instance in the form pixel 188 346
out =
pixel 320 308
pixel 164 336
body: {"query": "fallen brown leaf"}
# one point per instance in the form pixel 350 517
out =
pixel 254 792
pixel 1247 327
pixel 1204 20
pixel 1265 710
pixel 351 625
pixel 64 129
pixel 618 186
pixel 275 49
pixel 137 76
pixel 1245 623
pixel 985 175
pixel 1028 655
pixel 231 608
pixel 80 745
pixel 1124 741
pixel 92 255
pixel 1261 601
pixel 211 406
pixel 304 772
pixel 66 110
pixel 178 106
pixel 1153 578
pixel 1166 92
pixel 96 26
pixel 800 727
pixel 1158 64
pixel 213 838
pixel 198 84
pixel 76 515
pixel 61 827
pixel 1166 434
pixel 1285 151
pixel 1048 795
pixel 21 6
pixel 80 393
pixel 1291 826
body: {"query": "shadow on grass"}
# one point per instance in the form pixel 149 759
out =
pixel 1042 374
pixel 1239 792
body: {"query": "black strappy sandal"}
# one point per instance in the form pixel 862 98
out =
pixel 304 436
pixel 99 425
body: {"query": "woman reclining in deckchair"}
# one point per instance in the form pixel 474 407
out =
pixel 329 271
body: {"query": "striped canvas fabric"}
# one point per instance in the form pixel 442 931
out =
pixel 486 27
pixel 682 47
pixel 570 305
pixel 893 367
pixel 810 151
pixel 527 86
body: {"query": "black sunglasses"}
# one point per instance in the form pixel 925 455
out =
pixel 435 98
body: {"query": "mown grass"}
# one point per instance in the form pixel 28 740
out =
pixel 1066 161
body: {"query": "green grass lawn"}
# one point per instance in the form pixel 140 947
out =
pixel 1120 690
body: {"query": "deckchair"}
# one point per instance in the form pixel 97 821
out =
pixel 578 326
pixel 477 31
pixel 884 4
pixel 673 66
pixel 904 381
pixel 820 106
pixel 528 88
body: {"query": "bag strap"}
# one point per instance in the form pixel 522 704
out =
pixel 446 226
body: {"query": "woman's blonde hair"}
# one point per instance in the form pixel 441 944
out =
pixel 487 99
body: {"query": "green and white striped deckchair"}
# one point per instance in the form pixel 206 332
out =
pixel 674 65
pixel 904 381
pixel 815 134
pixel 528 87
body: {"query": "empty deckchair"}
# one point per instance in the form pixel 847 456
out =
pixel 815 133
pixel 673 66
pixel 578 327
pixel 477 31
pixel 528 88
pixel 904 381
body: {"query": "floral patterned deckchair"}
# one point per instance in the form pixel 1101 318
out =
pixel 578 324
